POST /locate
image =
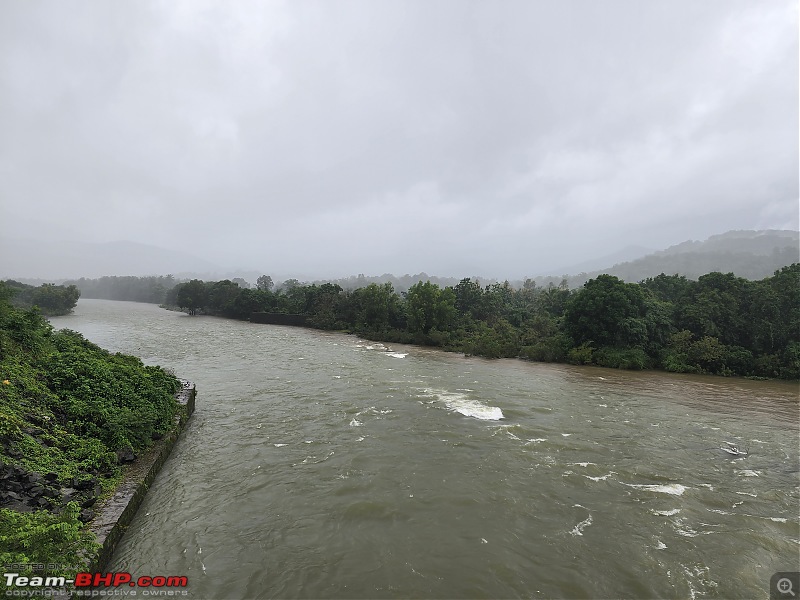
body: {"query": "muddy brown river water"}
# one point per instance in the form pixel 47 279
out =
pixel 320 465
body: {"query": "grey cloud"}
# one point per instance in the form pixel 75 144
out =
pixel 342 137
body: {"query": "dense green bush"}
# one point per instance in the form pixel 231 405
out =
pixel 44 538
pixel 66 407
pixel 621 358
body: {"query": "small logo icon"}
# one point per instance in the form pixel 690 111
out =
pixel 784 585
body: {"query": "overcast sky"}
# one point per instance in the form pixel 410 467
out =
pixel 458 138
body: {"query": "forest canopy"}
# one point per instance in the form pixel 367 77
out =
pixel 719 324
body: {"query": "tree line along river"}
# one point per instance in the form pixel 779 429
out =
pixel 319 465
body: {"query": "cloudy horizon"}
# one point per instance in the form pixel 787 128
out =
pixel 446 137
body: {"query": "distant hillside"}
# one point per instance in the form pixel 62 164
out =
pixel 749 254
pixel 628 254
pixel 48 260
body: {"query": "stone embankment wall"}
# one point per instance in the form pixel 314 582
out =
pixel 115 514
pixel 279 319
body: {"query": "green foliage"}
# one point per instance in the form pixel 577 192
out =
pixel 548 349
pixel 719 324
pixel 264 283
pixel 192 295
pixel 66 406
pixel 608 312
pixel 622 358
pixel 790 369
pixel 42 537
pixel 582 355
pixel 499 340
pixel 50 299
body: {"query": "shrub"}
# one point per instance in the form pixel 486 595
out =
pixel 621 358
pixel 582 355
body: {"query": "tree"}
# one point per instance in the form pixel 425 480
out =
pixel 429 306
pixel 222 295
pixel 607 312
pixel 264 283
pixel 192 296
pixel 469 298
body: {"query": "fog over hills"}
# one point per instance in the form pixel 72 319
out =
pixel 323 139
pixel 58 260
pixel 748 254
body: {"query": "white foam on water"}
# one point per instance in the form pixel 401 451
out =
pixel 660 545
pixel 706 485
pixel 749 473
pixel 397 354
pixel 280 445
pixel 337 376
pixel 535 441
pixel 685 531
pixel 675 489
pixel 308 442
pixel 581 464
pixel 466 406
pixel 666 513
pixel 747 494
pixel 355 423
pixel 603 405
pixel 600 478
pixel 479 411
pixel 578 529
pixel 778 519
pixel 758 441
pixel 361 439
pixel 566 434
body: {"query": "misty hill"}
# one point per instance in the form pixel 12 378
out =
pixel 753 255
pixel 50 260
pixel 627 254
pixel 750 254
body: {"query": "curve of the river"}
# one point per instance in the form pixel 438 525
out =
pixel 319 465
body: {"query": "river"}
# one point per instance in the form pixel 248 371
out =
pixel 320 465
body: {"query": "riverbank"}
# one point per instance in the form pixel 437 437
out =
pixel 116 513
pixel 75 423
pixel 719 324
